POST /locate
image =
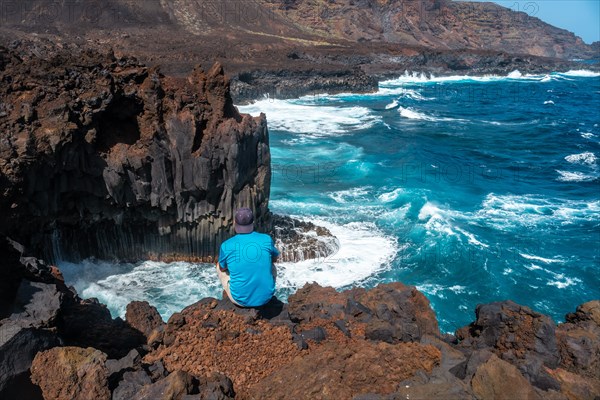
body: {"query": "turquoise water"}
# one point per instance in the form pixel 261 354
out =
pixel 472 189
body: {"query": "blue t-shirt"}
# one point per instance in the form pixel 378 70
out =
pixel 248 257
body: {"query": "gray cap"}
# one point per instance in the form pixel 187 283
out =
pixel 244 220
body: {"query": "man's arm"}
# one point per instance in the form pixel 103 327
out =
pixel 222 260
pixel 221 268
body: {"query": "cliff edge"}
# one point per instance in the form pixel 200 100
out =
pixel 382 344
pixel 102 156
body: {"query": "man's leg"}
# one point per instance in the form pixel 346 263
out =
pixel 224 278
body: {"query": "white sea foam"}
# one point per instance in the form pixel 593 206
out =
pixel 170 287
pixel 404 93
pixel 421 78
pixel 438 290
pixel 498 123
pixel 588 158
pixel 471 238
pixel 442 221
pixel 516 74
pixel 413 114
pixel 316 121
pixel 561 281
pixel 568 176
pixel 587 135
pixel 548 102
pixel 432 289
pixel 392 105
pixel 508 211
pixel 534 267
pixel 383 90
pixel 350 195
pixel 457 289
pixel 581 73
pixel 558 279
pixel 429 210
pixel 364 251
pixel 542 259
pixel 390 196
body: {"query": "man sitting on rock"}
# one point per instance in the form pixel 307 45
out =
pixel 245 265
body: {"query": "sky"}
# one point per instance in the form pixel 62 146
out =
pixel 581 17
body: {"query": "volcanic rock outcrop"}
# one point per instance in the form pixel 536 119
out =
pixel 39 312
pixel 380 343
pixel 114 160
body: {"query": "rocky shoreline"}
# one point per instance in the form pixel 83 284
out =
pixel 381 343
pixel 331 73
pixel 106 157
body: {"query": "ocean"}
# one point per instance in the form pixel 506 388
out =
pixel 473 189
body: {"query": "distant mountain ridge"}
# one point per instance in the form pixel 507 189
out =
pixel 434 24
pixel 289 48
pixel 440 24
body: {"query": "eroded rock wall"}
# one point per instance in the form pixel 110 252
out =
pixel 103 157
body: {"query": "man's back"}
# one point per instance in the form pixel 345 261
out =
pixel 248 258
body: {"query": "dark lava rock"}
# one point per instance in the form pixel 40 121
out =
pixel 381 331
pixel 16 266
pixel 392 312
pixel 88 323
pixel 313 301
pixel 215 387
pixel 143 317
pixel 579 341
pixel 174 386
pixel 341 325
pixel 29 329
pixel 518 335
pixel 127 362
pixel 317 334
pixel 36 304
pixel 132 383
pixel 114 160
pixel 300 240
pixel 117 368
pixel 18 347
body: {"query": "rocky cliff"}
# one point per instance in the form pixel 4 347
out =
pixel 437 24
pixel 383 343
pixel 108 158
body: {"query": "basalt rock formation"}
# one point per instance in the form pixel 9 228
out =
pixel 111 159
